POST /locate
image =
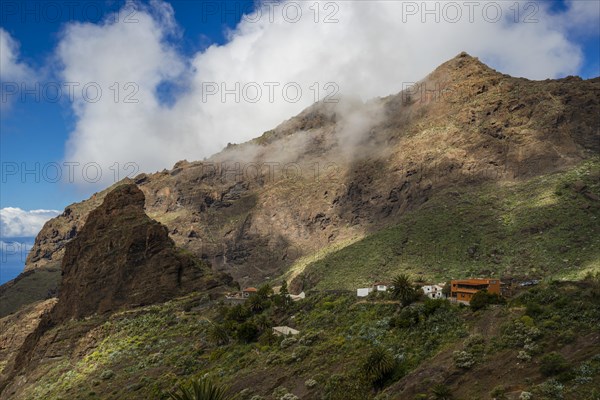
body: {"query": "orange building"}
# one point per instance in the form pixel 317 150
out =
pixel 463 290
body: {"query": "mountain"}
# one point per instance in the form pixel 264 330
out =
pixel 468 172
pixel 338 172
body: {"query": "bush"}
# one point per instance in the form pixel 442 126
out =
pixel 441 392
pixel 498 393
pixel 107 374
pixel 310 383
pixel 526 396
pixel 247 332
pixel 463 359
pixel 553 364
pixel 482 298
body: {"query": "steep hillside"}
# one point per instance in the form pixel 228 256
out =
pixel 120 259
pixel 143 353
pixel 341 171
pixel 469 172
pixel 541 227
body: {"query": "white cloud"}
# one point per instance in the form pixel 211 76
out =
pixel 11 68
pixel 373 48
pixel 13 71
pixel 15 222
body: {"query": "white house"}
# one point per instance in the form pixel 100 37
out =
pixel 284 331
pixel 433 291
pixel 363 292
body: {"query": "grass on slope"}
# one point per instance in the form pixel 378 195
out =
pixel 537 228
pixel 144 352
pixel 29 287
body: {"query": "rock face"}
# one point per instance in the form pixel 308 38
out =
pixel 121 258
pixel 338 171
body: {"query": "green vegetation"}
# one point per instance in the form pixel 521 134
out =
pixel 543 227
pixel 379 366
pixel 347 347
pixel 29 287
pixel 404 290
pixel 201 389
pixel 482 299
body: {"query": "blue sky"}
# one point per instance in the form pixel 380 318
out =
pixel 168 55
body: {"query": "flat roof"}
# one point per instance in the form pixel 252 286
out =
pixel 474 281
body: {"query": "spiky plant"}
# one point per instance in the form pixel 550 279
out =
pixel 217 334
pixel 201 389
pixel 441 392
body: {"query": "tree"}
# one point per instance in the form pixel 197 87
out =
pixel 256 303
pixel 404 290
pixel 265 291
pixel 202 389
pixel 284 295
pixel 247 332
pixel 379 366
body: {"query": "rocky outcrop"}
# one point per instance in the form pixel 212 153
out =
pixel 122 258
pixel 338 171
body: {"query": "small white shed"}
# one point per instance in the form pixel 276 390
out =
pixel 363 292
pixel 284 331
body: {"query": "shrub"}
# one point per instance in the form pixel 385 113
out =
pixel 247 332
pixel 237 313
pixel 526 396
pixel 441 392
pixel 430 306
pixel 498 393
pixel 553 364
pixel 107 374
pixel 482 298
pixel 310 383
pixel 287 342
pixel 463 359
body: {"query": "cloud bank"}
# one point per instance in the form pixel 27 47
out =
pixel 15 222
pixel 352 48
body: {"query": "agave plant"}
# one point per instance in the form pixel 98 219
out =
pixel 217 334
pixel 201 389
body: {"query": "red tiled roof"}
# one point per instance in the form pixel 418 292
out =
pixel 251 289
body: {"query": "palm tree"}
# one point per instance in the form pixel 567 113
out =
pixel 403 289
pixel 255 303
pixel 201 389
pixel 378 366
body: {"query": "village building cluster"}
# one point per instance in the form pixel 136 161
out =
pixel 461 290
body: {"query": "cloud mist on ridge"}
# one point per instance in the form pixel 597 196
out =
pixel 370 51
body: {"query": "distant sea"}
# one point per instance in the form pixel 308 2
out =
pixel 13 253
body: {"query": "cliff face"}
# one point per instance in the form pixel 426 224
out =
pixel 338 171
pixel 121 257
